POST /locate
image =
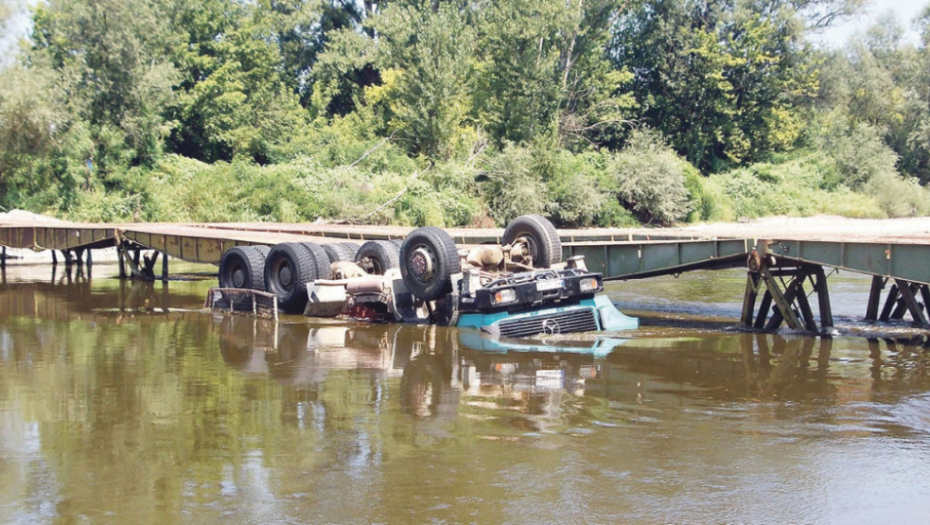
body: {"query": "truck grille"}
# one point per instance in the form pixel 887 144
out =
pixel 572 321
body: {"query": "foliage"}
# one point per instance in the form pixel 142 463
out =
pixel 461 113
pixel 719 79
pixel 648 178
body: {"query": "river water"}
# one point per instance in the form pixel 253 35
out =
pixel 127 403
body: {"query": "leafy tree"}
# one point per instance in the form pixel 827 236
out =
pixel 723 80
pixel 430 49
pixel 234 99
pixel 109 57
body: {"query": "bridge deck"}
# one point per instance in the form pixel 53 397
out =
pixel 892 248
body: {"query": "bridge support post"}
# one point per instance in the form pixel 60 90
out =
pixel 749 299
pixel 823 300
pixel 875 296
pixel 3 258
pixel 164 267
pixel 121 256
pixel 787 300
pixel 902 299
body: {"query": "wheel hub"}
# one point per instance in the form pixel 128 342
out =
pixel 285 275
pixel 421 264
pixel 238 278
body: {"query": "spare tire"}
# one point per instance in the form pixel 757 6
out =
pixel 541 238
pixel 428 259
pixel 320 260
pixel 377 257
pixel 338 252
pixel 243 267
pixel 288 268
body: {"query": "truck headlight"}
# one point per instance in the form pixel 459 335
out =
pixel 505 296
pixel 588 285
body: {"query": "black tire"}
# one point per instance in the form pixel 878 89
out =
pixel 428 259
pixel 320 259
pixel 377 257
pixel 338 252
pixel 544 244
pixel 398 242
pixel 352 247
pixel 243 267
pixel 288 268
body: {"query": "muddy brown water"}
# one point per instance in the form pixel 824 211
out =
pixel 126 403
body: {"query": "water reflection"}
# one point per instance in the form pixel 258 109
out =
pixel 124 402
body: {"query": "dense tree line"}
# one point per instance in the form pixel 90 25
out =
pixel 459 112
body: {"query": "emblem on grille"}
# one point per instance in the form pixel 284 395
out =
pixel 551 326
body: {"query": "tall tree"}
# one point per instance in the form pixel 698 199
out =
pixel 110 57
pixel 430 48
pixel 723 79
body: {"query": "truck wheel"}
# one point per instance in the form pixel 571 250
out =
pixel 428 259
pixel 338 252
pixel 352 247
pixel 377 257
pixel 243 267
pixel 542 240
pixel 288 268
pixel 320 259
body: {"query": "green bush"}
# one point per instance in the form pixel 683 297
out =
pixel 511 187
pixel 796 186
pixel 649 179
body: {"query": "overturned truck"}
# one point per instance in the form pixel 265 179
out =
pixel 518 288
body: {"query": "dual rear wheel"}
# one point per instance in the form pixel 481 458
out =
pixel 427 258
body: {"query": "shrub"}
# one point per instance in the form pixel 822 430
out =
pixel 649 179
pixel 511 187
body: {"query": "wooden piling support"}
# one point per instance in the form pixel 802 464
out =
pixel 121 256
pixel 67 256
pixel 90 259
pixel 805 307
pixel 900 307
pixel 54 259
pixel 148 266
pixel 910 301
pixel 925 295
pixel 164 267
pixel 749 298
pixel 889 303
pixel 782 302
pixel 875 296
pixel 823 300
pixel 3 258
pixel 764 307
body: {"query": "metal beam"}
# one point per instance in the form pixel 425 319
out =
pixel 906 261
